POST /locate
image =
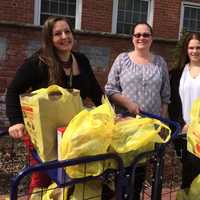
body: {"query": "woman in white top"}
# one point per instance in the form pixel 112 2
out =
pixel 185 88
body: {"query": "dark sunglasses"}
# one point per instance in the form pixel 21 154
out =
pixel 144 35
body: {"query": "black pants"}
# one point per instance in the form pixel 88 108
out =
pixel 190 163
pixel 191 169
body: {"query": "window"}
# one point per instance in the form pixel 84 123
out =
pixel 68 8
pixel 128 12
pixel 190 17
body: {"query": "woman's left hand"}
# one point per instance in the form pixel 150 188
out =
pixel 185 128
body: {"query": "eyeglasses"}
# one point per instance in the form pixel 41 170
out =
pixel 144 35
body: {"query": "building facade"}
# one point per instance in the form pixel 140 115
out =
pixel 102 29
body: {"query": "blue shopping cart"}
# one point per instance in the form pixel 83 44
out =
pixel 123 183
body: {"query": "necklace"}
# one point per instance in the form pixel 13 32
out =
pixel 67 64
pixel 194 70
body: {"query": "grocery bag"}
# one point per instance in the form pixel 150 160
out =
pixel 88 133
pixel 193 134
pixel 43 111
pixel 133 136
pixel 89 190
pixel 194 191
pixel 53 192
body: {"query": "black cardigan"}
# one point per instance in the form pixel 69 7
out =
pixel 175 107
pixel 33 74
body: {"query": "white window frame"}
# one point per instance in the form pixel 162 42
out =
pixel 78 17
pixel 150 14
pixel 183 4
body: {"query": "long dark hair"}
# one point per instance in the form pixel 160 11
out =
pixel 48 53
pixel 183 56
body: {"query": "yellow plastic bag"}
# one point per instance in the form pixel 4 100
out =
pixel 44 110
pixel 137 135
pixel 193 135
pixel 54 193
pixel 88 133
pixel 182 194
pixel 194 191
pixel 89 190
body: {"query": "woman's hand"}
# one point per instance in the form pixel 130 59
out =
pixel 124 101
pixel 17 130
pixel 185 129
pixel 133 108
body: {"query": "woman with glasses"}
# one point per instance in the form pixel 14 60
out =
pixel 138 80
pixel 54 63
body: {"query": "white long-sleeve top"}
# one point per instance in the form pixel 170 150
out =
pixel 189 90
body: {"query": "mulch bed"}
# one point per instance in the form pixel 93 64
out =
pixel 12 159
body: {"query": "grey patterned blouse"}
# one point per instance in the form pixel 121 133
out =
pixel 146 84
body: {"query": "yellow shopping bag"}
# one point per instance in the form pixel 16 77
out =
pixel 194 191
pixel 44 110
pixel 88 190
pixel 53 192
pixel 88 133
pixel 137 135
pixel 193 135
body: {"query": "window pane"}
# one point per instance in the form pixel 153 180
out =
pixel 127 28
pixel 185 24
pixel 119 28
pixel 198 15
pixel 131 12
pixel 143 17
pixel 72 9
pixel 128 18
pixel 136 5
pixel 45 6
pixel 59 8
pixel 129 4
pixel 193 13
pixel 120 16
pixel 121 4
pixel 191 19
pixel 63 9
pixel 135 19
pixel 144 7
pixel 192 25
pixel 54 7
pixel 186 12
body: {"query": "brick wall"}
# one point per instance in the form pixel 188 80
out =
pixel 3 119
pixel 18 41
pixel 166 21
pixel 97 16
pixel 166 18
pixel 23 41
pixel 17 10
